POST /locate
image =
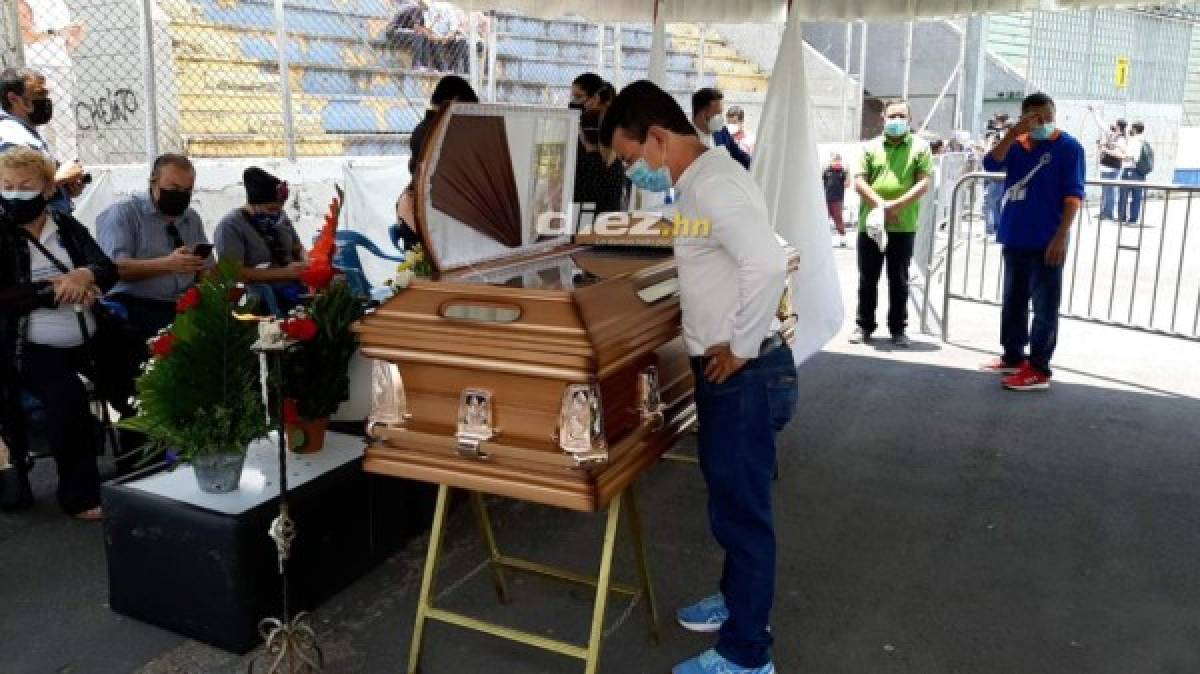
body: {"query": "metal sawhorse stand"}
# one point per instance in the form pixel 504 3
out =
pixel 499 562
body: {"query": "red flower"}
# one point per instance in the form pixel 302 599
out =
pixel 161 346
pixel 303 329
pixel 291 411
pixel 317 276
pixel 188 300
pixel 235 294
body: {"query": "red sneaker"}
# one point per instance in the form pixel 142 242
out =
pixel 1028 379
pixel 998 366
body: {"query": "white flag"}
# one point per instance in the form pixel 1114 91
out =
pixel 788 171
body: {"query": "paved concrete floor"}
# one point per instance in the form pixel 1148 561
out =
pixel 929 523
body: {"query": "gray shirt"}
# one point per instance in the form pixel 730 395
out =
pixel 238 241
pixel 133 229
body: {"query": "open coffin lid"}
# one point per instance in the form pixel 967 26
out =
pixel 487 173
pixel 494 200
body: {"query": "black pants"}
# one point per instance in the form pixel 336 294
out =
pixel 146 317
pixel 52 375
pixel 870 265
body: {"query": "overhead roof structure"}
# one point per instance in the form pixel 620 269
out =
pixel 775 11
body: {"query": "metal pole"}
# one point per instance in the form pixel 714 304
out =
pixel 1029 56
pixel 285 80
pixel 600 49
pixel 700 65
pixel 862 80
pixel 16 38
pixel 493 75
pixel 472 55
pixel 618 57
pixel 846 82
pixel 908 45
pixel 960 92
pixel 148 80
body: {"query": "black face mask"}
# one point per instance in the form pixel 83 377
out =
pixel 173 203
pixel 22 211
pixel 575 105
pixel 43 111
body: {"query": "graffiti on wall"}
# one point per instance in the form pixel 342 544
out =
pixel 114 107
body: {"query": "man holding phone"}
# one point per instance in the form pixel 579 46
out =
pixel 158 243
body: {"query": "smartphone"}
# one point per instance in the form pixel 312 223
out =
pixel 202 250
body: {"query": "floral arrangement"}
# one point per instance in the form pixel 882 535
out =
pixel 315 378
pixel 416 265
pixel 200 394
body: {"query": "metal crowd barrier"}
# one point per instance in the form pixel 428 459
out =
pixel 1143 275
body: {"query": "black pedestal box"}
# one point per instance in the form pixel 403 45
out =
pixel 212 575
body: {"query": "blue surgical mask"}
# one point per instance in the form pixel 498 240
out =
pixel 265 219
pixel 650 179
pixel 1043 132
pixel 895 127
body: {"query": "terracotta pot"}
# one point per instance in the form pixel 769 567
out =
pixel 307 436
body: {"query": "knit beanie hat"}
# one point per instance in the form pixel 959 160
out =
pixel 263 188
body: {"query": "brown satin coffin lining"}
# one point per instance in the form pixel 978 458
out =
pixel 474 180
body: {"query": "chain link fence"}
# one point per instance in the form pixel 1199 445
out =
pixel 130 78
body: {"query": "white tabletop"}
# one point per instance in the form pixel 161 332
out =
pixel 260 477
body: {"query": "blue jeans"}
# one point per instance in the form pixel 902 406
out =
pixel 1130 202
pixel 1026 277
pixel 1108 200
pixel 738 421
pixel 993 196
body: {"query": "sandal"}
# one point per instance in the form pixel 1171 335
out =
pixel 90 515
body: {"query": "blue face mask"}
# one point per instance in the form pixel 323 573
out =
pixel 895 127
pixel 649 179
pixel 1043 132
pixel 265 219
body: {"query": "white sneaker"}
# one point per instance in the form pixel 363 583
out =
pixel 842 241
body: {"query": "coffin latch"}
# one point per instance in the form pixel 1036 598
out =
pixel 389 405
pixel 650 405
pixel 581 425
pixel 474 423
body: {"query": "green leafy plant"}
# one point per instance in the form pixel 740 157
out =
pixel 200 393
pixel 316 371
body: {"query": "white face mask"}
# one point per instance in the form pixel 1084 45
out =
pixel 716 123
pixel 734 128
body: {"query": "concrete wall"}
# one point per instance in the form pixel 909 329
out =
pixel 219 187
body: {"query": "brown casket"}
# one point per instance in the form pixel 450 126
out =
pixel 531 366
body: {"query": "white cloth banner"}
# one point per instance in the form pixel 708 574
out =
pixel 786 168
pixel 98 196
pixel 370 209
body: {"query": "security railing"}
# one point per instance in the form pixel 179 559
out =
pixel 1140 275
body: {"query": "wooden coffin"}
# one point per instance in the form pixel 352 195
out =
pixel 530 366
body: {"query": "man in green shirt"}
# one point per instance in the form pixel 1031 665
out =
pixel 895 171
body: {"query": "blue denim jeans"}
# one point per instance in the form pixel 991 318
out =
pixel 1108 200
pixel 993 196
pixel 1028 277
pixel 738 421
pixel 1129 203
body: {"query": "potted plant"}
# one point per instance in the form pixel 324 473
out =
pixel 316 377
pixel 199 396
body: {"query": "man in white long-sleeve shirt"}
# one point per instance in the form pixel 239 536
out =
pixel 732 271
